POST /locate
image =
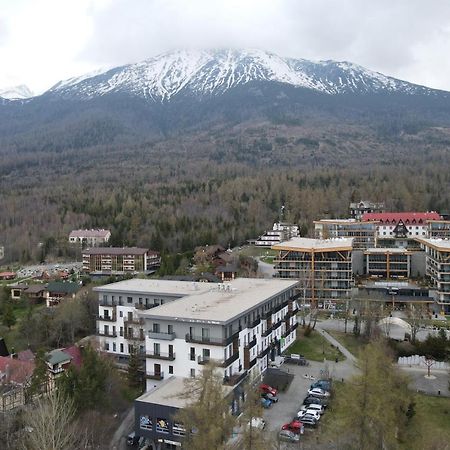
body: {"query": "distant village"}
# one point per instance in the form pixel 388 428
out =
pixel 225 309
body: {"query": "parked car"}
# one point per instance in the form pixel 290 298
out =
pixel 268 389
pixel 295 426
pixel 272 398
pixel 312 407
pixel 266 403
pixel 309 413
pixel 316 400
pixel 322 384
pixel 309 421
pixel 317 392
pixel 289 436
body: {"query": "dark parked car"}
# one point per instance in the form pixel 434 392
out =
pixel 268 396
pixel 317 401
pixel 322 384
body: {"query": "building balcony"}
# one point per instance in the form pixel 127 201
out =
pixel 267 332
pixel 255 323
pixel 112 318
pixel 234 357
pixel 140 306
pixel 134 321
pixel 134 336
pixel 161 335
pixel 154 375
pixel 251 344
pixel 106 333
pixel 234 379
pixel 160 355
pixel 264 352
pixel 210 340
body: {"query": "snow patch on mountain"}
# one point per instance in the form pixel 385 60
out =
pixel 20 92
pixel 210 73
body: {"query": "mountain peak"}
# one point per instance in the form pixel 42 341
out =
pixel 19 92
pixel 213 72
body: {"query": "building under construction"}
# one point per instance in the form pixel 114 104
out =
pixel 323 267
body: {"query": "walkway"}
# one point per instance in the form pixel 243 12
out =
pixel 336 343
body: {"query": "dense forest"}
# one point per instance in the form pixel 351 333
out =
pixel 221 185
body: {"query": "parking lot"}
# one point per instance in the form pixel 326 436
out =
pixel 291 400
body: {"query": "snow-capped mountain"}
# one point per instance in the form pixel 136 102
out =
pixel 211 73
pixel 20 92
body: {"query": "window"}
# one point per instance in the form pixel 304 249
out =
pixel 121 331
pixel 121 348
pixel 120 313
pixel 171 369
pixel 156 328
pixel 107 346
pixel 162 426
pixel 105 298
pixel 156 348
pixel 205 334
pixel 146 423
pixel 178 429
pixel 192 373
pixel 192 354
pixel 114 347
pixel 129 299
pixel 170 329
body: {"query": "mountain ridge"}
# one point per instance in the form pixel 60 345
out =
pixel 206 73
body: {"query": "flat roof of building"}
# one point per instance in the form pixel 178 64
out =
pixel 115 251
pixel 309 245
pixel 155 286
pixel 220 303
pixel 437 244
pixel 169 393
pixel 399 250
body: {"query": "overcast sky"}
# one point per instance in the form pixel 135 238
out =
pixel 44 41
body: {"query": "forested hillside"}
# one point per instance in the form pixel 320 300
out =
pixel 224 184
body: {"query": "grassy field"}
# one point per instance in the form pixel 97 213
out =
pixel 263 252
pixel 315 348
pixel 352 343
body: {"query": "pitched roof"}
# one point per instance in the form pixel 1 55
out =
pixel 63 287
pixel 58 356
pixel 35 288
pixel 115 251
pixel 405 217
pixel 25 355
pixel 100 233
pixel 14 370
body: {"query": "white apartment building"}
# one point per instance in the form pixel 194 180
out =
pixel 91 238
pixel 281 231
pixel 180 326
pixel 402 224
pixel 438 269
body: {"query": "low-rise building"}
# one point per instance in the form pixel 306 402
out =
pixel 358 209
pixel 363 233
pixel 119 261
pixel 388 262
pixel 56 291
pixel 90 238
pixel 401 224
pixel 438 269
pixel 323 267
pixel 439 229
pixel 281 231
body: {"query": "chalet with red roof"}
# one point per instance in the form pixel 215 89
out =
pixel 402 224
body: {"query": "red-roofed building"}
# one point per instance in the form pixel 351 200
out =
pixel 75 353
pixel 15 376
pixel 7 275
pixel 402 224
